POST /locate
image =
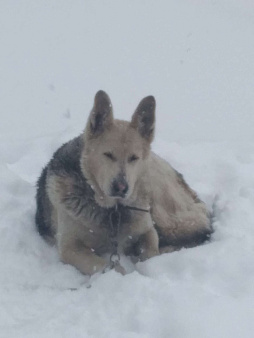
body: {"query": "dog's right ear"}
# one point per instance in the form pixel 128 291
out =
pixel 144 118
pixel 101 116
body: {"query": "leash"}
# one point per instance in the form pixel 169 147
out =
pixel 138 209
pixel 114 227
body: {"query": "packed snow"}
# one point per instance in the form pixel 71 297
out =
pixel 196 58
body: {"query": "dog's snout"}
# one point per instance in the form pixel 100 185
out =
pixel 119 188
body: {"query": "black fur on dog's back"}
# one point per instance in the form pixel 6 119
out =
pixel 65 161
pixel 42 217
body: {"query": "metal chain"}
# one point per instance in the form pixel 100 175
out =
pixel 114 227
pixel 114 222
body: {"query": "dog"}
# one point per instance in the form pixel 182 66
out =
pixel 106 193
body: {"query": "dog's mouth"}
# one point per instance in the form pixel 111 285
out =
pixel 119 189
pixel 119 196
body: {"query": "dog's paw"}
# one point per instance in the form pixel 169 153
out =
pixel 118 268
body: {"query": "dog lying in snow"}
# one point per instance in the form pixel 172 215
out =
pixel 105 192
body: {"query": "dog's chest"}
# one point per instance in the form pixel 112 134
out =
pixel 109 226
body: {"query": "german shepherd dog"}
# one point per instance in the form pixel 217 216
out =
pixel 105 192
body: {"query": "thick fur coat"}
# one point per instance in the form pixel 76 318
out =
pixel 110 166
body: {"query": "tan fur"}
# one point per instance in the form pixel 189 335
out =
pixel 176 213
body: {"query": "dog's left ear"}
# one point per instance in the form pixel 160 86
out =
pixel 144 118
pixel 101 116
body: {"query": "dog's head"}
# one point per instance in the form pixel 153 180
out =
pixel 115 151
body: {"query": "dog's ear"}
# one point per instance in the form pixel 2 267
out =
pixel 144 118
pixel 101 116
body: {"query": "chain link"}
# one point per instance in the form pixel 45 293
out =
pixel 114 223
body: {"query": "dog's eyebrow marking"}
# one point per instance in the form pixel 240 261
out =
pixel 133 158
pixel 109 155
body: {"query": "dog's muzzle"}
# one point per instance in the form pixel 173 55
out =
pixel 119 187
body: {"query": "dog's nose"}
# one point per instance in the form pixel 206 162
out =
pixel 119 188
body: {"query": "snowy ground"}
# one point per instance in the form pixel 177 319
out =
pixel 196 57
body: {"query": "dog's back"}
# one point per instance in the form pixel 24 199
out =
pixel 65 162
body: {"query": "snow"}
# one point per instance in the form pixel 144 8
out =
pixel 196 58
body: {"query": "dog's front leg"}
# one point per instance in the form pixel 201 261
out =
pixel 72 247
pixel 148 245
pixel 82 258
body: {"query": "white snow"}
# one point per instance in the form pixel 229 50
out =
pixel 196 58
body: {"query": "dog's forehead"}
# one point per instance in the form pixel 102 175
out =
pixel 122 137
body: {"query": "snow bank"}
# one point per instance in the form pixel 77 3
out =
pixel 206 291
pixel 196 57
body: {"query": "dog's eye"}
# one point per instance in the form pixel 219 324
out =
pixel 110 156
pixel 133 158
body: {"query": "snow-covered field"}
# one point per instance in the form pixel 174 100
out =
pixel 196 58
